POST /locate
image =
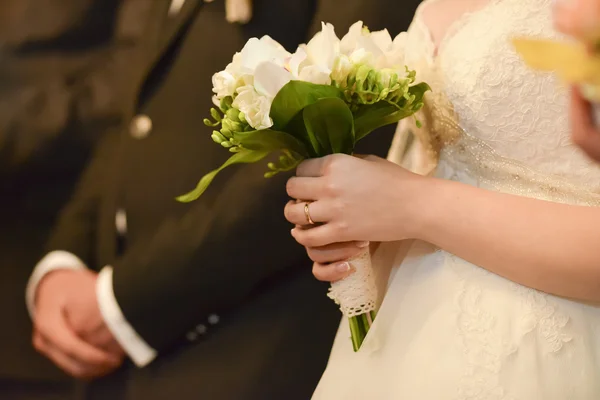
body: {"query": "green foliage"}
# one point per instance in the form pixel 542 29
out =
pixel 242 157
pixel 294 96
pixel 369 117
pixel 330 126
pixel 312 120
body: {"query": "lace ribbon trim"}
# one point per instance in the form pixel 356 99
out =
pixel 356 294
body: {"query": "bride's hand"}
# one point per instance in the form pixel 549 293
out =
pixel 330 262
pixel 353 199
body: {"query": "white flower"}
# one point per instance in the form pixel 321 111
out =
pixel 223 84
pixel 341 68
pixel 395 55
pixel 256 107
pixel 296 61
pixel 321 53
pixel 258 51
pixel 242 68
pixel 362 56
pixel 315 74
pixel 269 78
pixel 376 49
pixel 350 41
pixel 382 40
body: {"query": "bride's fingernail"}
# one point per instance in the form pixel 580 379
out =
pixel 343 267
pixel 363 244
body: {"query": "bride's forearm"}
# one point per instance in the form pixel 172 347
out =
pixel 548 246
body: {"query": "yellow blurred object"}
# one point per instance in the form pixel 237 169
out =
pixel 571 61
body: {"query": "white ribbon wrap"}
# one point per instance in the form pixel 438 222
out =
pixel 356 294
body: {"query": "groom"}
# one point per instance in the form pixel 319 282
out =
pixel 203 300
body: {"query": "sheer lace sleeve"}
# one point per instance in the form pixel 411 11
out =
pixel 409 147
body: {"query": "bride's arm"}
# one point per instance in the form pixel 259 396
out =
pixel 547 246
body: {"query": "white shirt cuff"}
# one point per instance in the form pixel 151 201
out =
pixel 51 262
pixel 136 348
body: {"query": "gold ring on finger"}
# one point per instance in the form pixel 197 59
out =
pixel 307 214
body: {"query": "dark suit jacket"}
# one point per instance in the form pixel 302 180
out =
pixel 229 253
pixel 58 92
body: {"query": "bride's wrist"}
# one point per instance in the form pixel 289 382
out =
pixel 425 207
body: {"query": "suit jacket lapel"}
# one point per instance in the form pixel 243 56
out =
pixel 175 25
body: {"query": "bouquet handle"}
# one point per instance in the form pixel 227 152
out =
pixel 357 297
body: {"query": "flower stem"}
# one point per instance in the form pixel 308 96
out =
pixel 359 327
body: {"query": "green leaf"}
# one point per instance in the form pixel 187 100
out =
pixel 330 126
pixel 242 157
pixel 373 116
pixel 270 140
pixel 296 95
pixel 419 91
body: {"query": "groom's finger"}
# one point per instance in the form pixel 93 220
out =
pixel 63 361
pixel 332 272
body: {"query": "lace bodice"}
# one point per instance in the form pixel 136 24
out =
pixel 514 118
pixel 493 123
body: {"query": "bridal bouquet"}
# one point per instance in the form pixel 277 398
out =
pixel 320 100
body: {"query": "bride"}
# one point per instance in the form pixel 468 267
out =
pixel 492 260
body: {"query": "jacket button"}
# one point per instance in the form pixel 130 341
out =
pixel 201 329
pixel 141 125
pixel 191 336
pixel 121 222
pixel 213 319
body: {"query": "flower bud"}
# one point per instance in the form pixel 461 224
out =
pixel 232 114
pixel 215 114
pixel 226 103
pixel 217 137
pixel 226 133
pixel 231 126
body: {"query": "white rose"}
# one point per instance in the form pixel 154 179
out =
pixel 257 51
pixel 256 107
pixel 269 78
pixel 223 84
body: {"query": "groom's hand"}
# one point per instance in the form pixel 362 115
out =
pixel 69 328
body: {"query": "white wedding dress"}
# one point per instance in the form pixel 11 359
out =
pixel 448 329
